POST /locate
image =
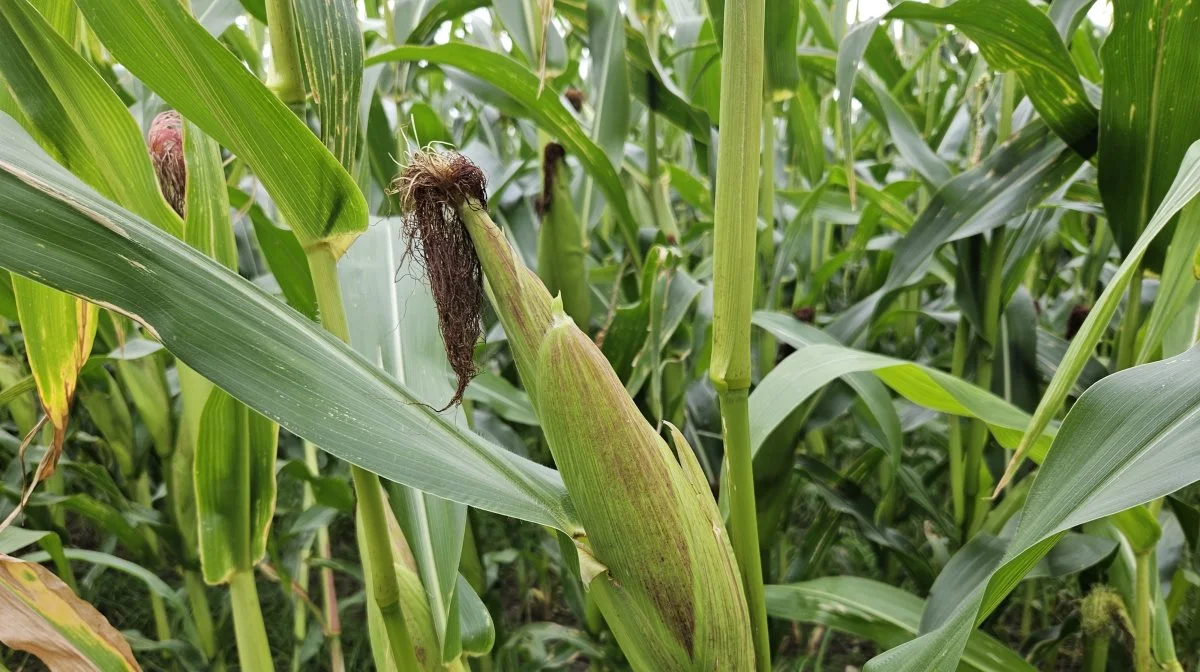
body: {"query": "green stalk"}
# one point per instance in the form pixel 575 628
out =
pixel 743 515
pixel 1143 661
pixel 162 625
pixel 767 347
pixel 376 539
pixel 733 286
pixel 1095 652
pixel 253 651
pixel 958 366
pixel 1008 94
pixel 202 615
pixel 285 80
pixel 976 508
pixel 1127 343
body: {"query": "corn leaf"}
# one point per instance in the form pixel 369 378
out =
pixel 1149 115
pixel 1185 188
pixel 1112 452
pixel 172 54
pixel 235 486
pixel 42 616
pixel 608 89
pixel 881 613
pixel 813 366
pixel 332 48
pixel 260 351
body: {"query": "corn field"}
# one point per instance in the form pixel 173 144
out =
pixel 508 335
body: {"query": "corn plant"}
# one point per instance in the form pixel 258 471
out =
pixel 464 335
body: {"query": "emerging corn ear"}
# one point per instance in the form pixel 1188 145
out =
pixel 562 249
pixel 655 554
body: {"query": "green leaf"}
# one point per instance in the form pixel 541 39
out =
pixel 1175 284
pixel 258 350
pixel 1150 113
pixel 172 54
pixel 546 109
pixel 1113 451
pixel 332 47
pixel 1015 36
pixel 235 486
pixel 79 118
pixel 608 90
pixel 881 613
pixel 1185 187
pixel 206 226
pixel 1010 181
pixel 814 366
pixel 869 388
pixel 284 255
pixel 503 397
pixel 782 71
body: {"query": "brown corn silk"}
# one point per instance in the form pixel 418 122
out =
pixel 431 190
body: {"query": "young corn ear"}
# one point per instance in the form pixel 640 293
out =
pixel 561 249
pixel 654 552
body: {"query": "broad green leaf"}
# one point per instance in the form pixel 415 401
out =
pixel 332 47
pixel 869 388
pixel 881 613
pixel 235 486
pixel 1176 282
pixel 438 13
pixel 172 54
pixel 909 142
pixel 1149 115
pixel 1113 451
pixel 546 109
pixel 814 366
pixel 206 225
pixel 782 71
pixel 505 399
pixel 849 55
pixel 1183 190
pixel 608 90
pixel 1013 179
pixel 1015 36
pixel 646 79
pixel 255 348
pixel 475 622
pixel 146 380
pixel 42 616
pixel 284 255
pixel 81 121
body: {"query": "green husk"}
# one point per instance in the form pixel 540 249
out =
pixel 655 554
